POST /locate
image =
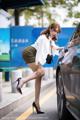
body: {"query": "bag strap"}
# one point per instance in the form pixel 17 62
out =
pixel 50 47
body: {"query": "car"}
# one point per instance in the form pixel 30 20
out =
pixel 68 79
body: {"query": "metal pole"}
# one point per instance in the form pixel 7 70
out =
pixel 7 76
pixel 15 74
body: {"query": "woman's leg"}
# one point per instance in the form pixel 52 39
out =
pixel 38 72
pixel 37 91
pixel 37 83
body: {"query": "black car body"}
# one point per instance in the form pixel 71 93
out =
pixel 68 79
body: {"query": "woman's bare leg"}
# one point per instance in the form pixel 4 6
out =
pixel 37 91
pixel 37 84
pixel 28 78
pixel 38 72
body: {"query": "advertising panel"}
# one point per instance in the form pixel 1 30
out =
pixel 4 44
pixel 24 36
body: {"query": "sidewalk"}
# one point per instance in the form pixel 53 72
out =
pixel 13 100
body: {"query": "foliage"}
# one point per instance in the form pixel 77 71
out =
pixel 77 15
pixel 40 12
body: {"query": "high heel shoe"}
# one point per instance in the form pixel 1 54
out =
pixel 36 108
pixel 18 88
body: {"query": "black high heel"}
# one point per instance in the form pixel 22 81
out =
pixel 18 88
pixel 36 108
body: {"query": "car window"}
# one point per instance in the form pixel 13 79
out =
pixel 76 36
pixel 75 40
pixel 76 58
pixel 78 50
pixel 77 32
pixel 73 54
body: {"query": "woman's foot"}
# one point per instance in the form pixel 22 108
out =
pixel 37 108
pixel 18 87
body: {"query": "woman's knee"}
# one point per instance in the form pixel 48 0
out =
pixel 40 72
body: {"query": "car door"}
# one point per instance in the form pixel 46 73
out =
pixel 71 72
pixel 75 78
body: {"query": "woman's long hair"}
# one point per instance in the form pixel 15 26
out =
pixel 52 26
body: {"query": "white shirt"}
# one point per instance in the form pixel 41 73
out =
pixel 55 52
pixel 42 45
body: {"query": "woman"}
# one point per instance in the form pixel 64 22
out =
pixel 35 56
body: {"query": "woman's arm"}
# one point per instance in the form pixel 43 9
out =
pixel 57 48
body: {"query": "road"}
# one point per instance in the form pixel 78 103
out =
pixel 48 105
